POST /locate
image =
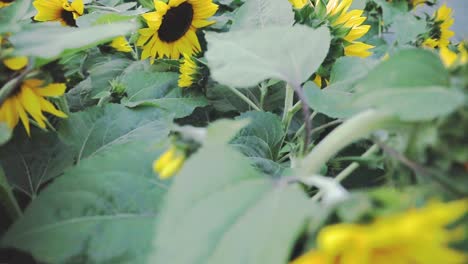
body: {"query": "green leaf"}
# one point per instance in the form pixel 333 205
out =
pixel 11 16
pixel 5 133
pixel 331 101
pixel 102 211
pixel 29 162
pixel 50 40
pixel 407 68
pixel 98 129
pixel 263 13
pixel 251 57
pixel 218 201
pixel 415 104
pixel 264 125
pixel 351 69
pixel 146 85
pixel 407 28
pixel 392 10
pixel 178 107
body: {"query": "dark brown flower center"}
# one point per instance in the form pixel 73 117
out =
pixel 176 22
pixel 67 16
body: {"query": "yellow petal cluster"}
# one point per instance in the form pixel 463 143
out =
pixel 415 3
pixel 121 44
pixel 417 236
pixel 169 163
pixel 298 3
pixel 188 69
pixel 443 19
pixel 59 10
pixel 30 100
pixel 451 58
pixel 339 17
pixel 172 28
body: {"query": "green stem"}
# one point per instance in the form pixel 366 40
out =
pixel 63 105
pixel 348 170
pixel 8 199
pixel 244 98
pixel 301 129
pixel 353 129
pixel 288 103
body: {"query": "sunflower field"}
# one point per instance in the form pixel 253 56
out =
pixel 234 131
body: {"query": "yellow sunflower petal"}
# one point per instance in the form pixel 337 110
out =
pixel 9 113
pixel 48 10
pixel 358 49
pixel 23 116
pixel 30 102
pixel 53 89
pixel 357 33
pixel 16 63
pixel 48 107
pixel 78 6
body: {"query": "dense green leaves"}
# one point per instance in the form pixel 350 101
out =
pixel 101 211
pixel 252 58
pixel 29 162
pixel 217 201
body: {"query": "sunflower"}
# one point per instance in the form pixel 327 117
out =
pixel 440 34
pixel 169 163
pixel 59 10
pixel 416 236
pixel 350 24
pixel 121 44
pixel 4 3
pixel 172 28
pixel 188 69
pixel 30 100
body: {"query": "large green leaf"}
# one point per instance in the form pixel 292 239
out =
pixel 246 57
pixel 407 68
pixel 29 162
pixel 98 129
pixel 216 203
pixel 263 13
pixel 331 101
pixel 407 28
pixel 415 104
pixel 102 211
pixel 49 40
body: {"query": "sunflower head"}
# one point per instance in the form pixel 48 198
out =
pixel 346 25
pixel 452 58
pixel 172 28
pixel 416 236
pixel 59 10
pixel 440 33
pixel 29 101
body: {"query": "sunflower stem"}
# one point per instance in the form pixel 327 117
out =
pixel 348 170
pixel 288 103
pixel 8 199
pixel 244 98
pixel 353 129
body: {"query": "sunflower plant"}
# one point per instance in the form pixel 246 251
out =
pixel 229 131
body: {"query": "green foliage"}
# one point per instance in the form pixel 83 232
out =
pixel 252 59
pixel 253 180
